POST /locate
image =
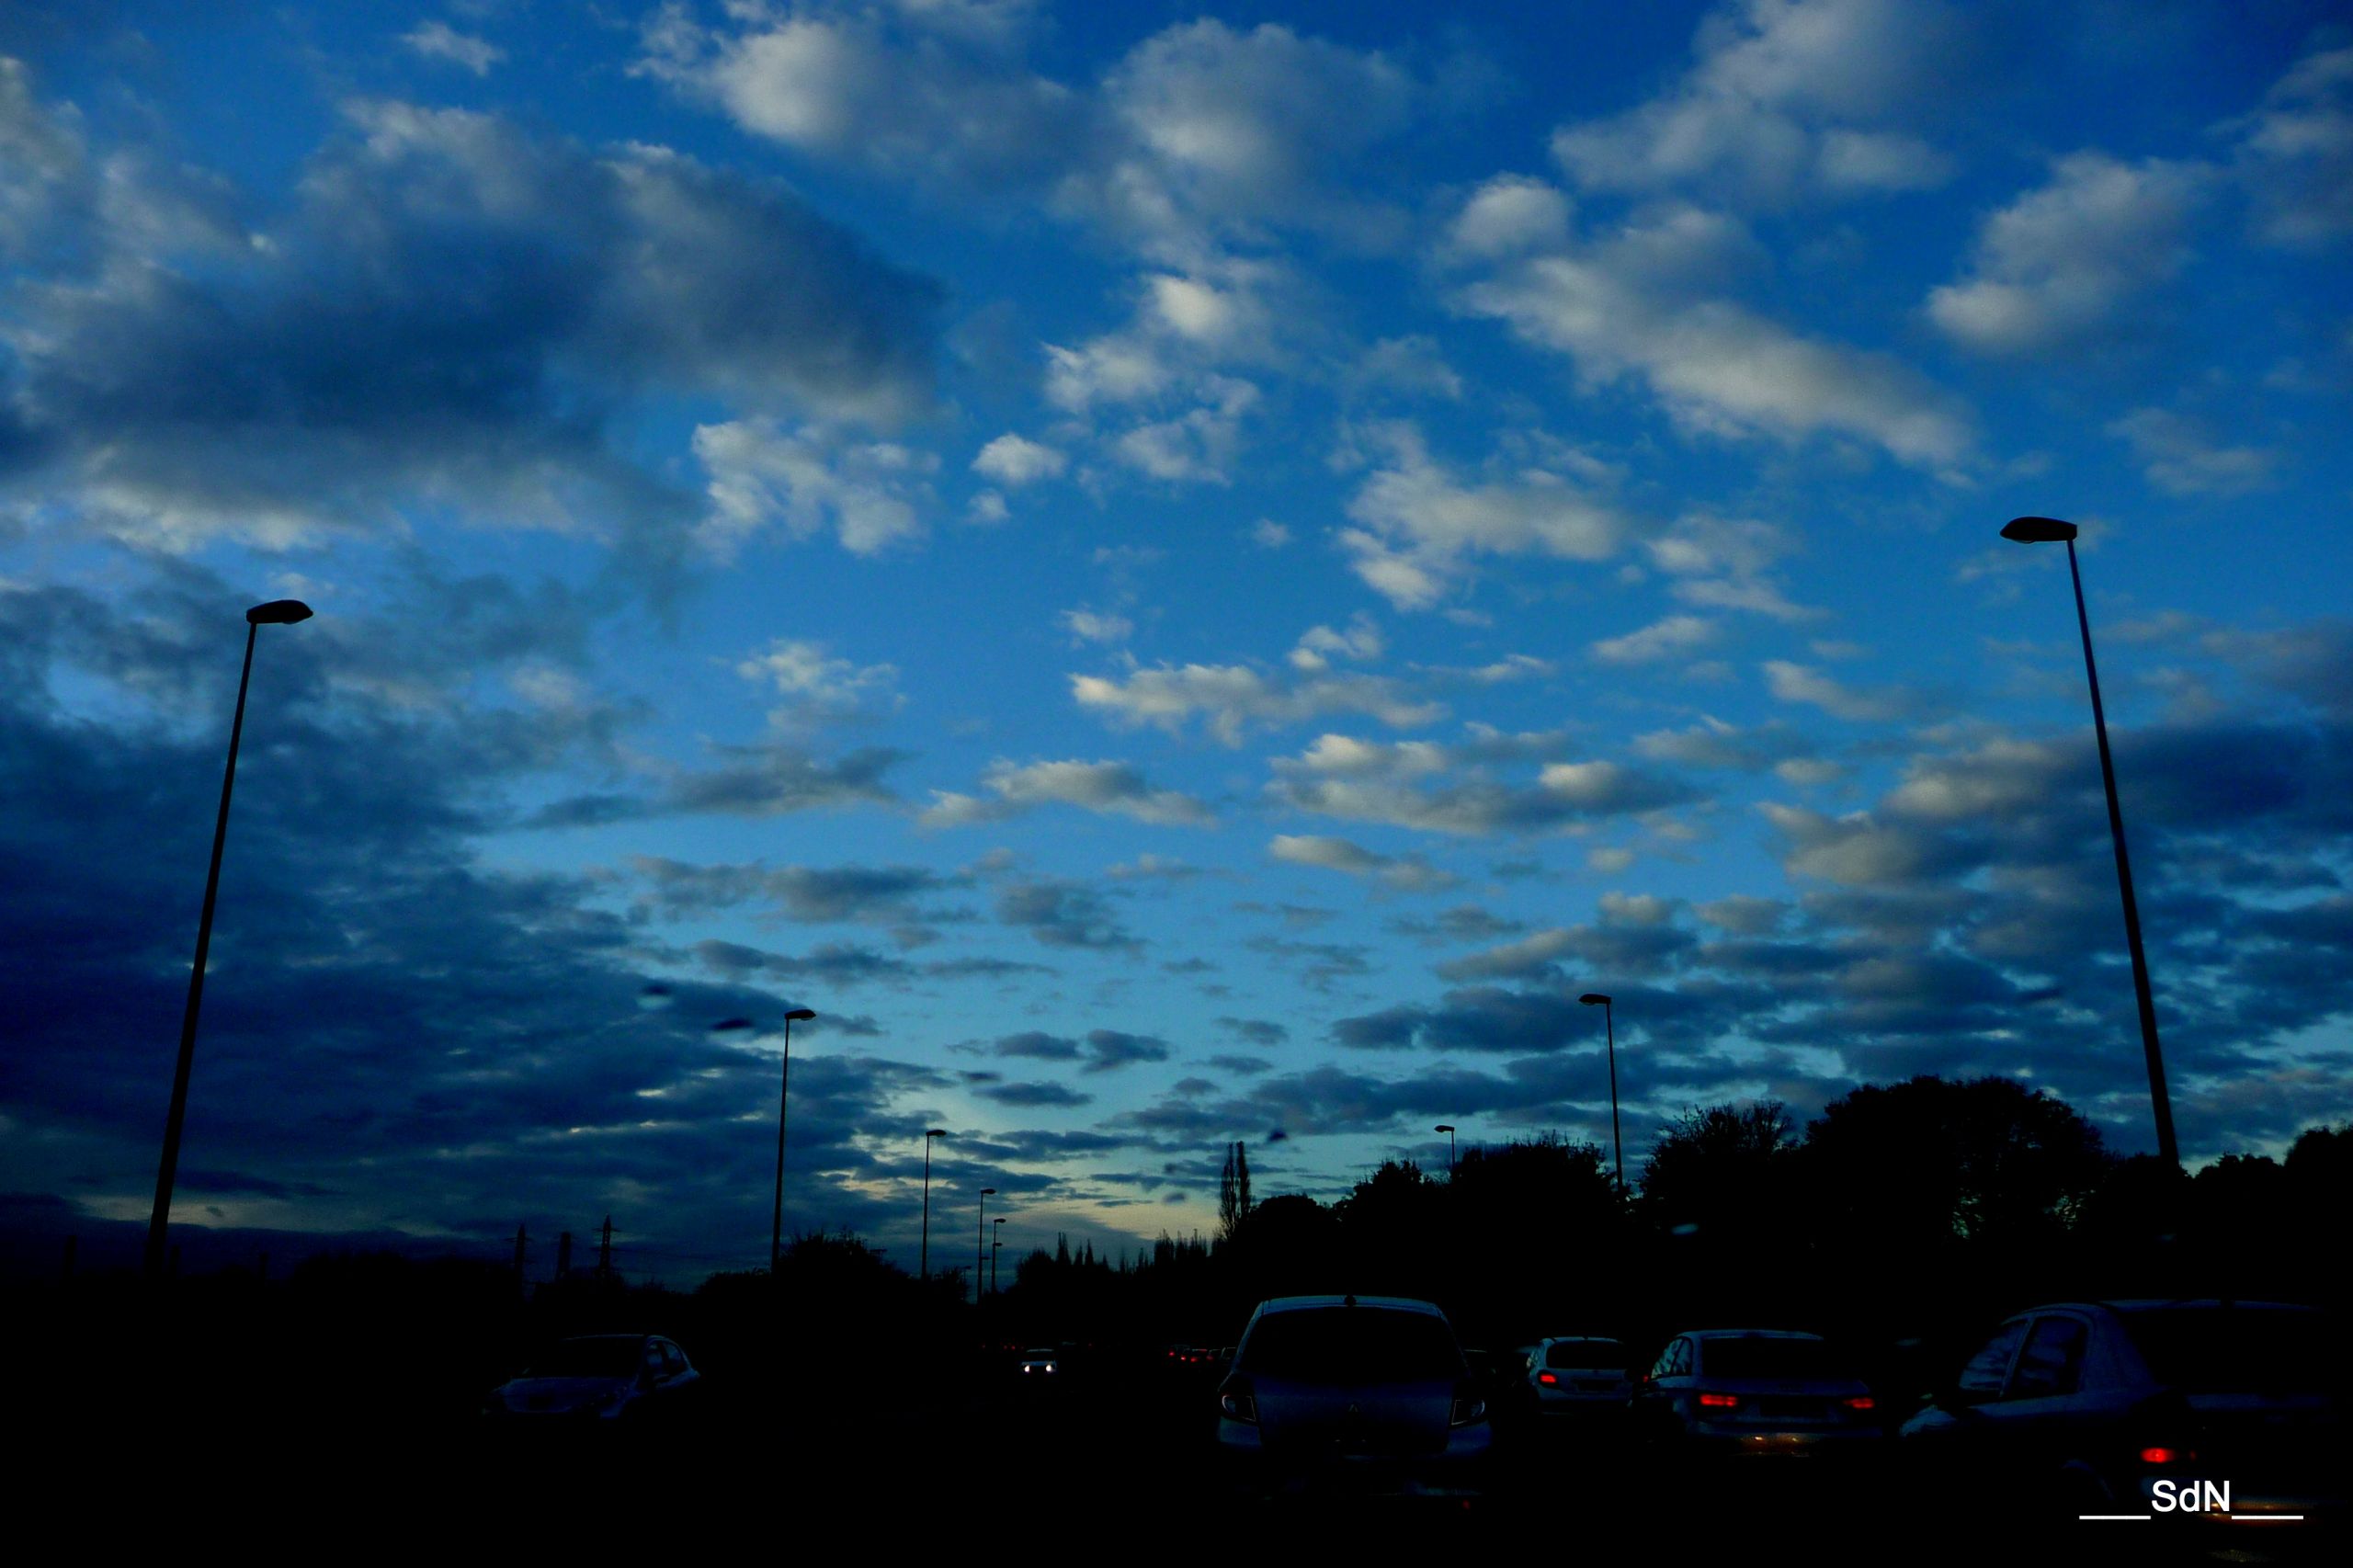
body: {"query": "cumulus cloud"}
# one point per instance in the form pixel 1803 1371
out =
pixel 1410 873
pixel 1676 634
pixel 2181 456
pixel 871 494
pixel 1359 781
pixel 1787 100
pixel 1645 302
pixel 1233 699
pixel 439 41
pixel 1015 460
pixel 2296 152
pixel 816 687
pixel 1792 682
pixel 2064 266
pixel 1113 787
pixel 374 373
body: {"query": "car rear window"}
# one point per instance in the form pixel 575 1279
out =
pixel 1591 1355
pixel 1770 1358
pixel 2225 1349
pixel 589 1358
pixel 1352 1345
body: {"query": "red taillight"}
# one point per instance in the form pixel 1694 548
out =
pixel 2156 1454
pixel 1861 1402
pixel 1547 1379
pixel 1720 1402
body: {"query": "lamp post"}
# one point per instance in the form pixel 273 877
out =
pixel 923 1265
pixel 2048 530
pixel 1609 1031
pixel 997 1246
pixel 783 1096
pixel 277 612
pixel 979 1240
pixel 1447 1127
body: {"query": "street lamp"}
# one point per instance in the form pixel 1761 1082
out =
pixel 922 1266
pixel 783 1096
pixel 980 1239
pixel 2048 530
pixel 1609 1028
pixel 997 1246
pixel 277 612
pixel 1448 1128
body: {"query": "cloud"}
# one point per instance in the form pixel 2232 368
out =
pixel 2296 152
pixel 374 372
pixel 1508 214
pixel 1107 1050
pixel 1409 873
pixel 2180 456
pixel 1787 100
pixel 2065 266
pixel 1064 914
pixel 870 895
pixel 761 780
pixel 1031 1095
pixel 871 494
pixel 1645 302
pixel 1360 781
pixel 439 41
pixel 1255 1031
pixel 815 687
pixel 1011 459
pixel 1676 634
pixel 1112 787
pixel 1801 683
pixel 1231 700
pixel 1419 527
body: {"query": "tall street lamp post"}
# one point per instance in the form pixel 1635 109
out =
pixel 922 1266
pixel 997 1246
pixel 783 1097
pixel 1447 1127
pixel 980 1241
pixel 1609 1032
pixel 277 612
pixel 2048 530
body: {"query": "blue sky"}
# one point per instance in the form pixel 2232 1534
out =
pixel 1178 576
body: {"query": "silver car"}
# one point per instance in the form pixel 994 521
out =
pixel 1352 1395
pixel 1755 1393
pixel 622 1378
pixel 1578 1375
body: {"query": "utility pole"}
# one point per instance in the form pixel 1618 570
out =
pixel 605 1252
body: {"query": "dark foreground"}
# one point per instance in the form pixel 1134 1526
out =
pixel 1112 1459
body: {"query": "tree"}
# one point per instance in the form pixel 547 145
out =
pixel 1233 1194
pixel 1722 1167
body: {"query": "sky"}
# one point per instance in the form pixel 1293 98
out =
pixel 1178 576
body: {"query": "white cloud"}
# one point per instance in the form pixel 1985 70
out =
pixel 1091 626
pixel 438 40
pixel 1231 699
pixel 1411 873
pixel 1115 788
pixel 1787 99
pixel 1015 460
pixel 2296 153
pixel 1642 302
pixel 2181 456
pixel 1269 534
pixel 1421 524
pixel 1660 639
pixel 1510 214
pixel 814 685
pixel 1800 683
pixel 1452 789
pixel 1320 644
pixel 871 494
pixel 2064 264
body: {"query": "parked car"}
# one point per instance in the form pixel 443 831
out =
pixel 1352 1395
pixel 2119 1407
pixel 1754 1393
pixel 1038 1364
pixel 1578 1375
pixel 602 1378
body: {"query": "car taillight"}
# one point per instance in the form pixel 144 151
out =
pixel 1470 1407
pixel 1237 1401
pixel 2159 1457
pixel 1547 1379
pixel 1862 1403
pixel 1720 1402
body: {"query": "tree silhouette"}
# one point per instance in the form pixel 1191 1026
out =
pixel 1721 1168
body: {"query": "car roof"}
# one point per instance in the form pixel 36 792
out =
pixel 1745 1334
pixel 2168 1303
pixel 1314 1303
pixel 1578 1339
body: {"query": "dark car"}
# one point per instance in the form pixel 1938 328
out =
pixel 2128 1407
pixel 600 1377
pixel 1755 1393
pixel 1352 1395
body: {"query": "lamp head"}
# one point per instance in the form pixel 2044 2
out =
pixel 1594 999
pixel 2038 531
pixel 277 612
pixel 1443 1127
pixel 935 1133
pixel 988 1192
pixel 801 1014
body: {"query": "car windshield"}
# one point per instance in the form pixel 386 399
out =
pixel 1770 1357
pixel 1352 1345
pixel 2224 1350
pixel 1593 1355
pixel 588 1358
pixel 1038 1354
